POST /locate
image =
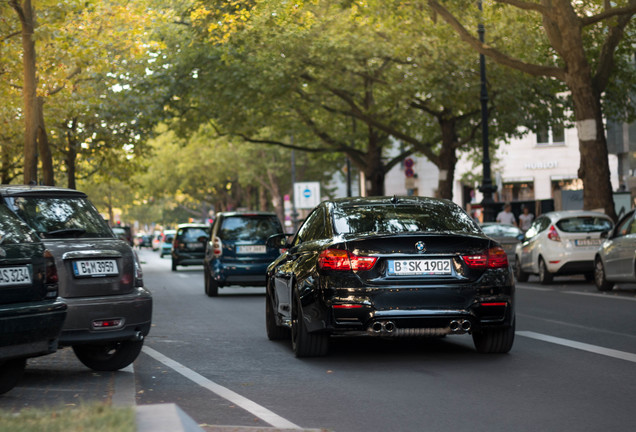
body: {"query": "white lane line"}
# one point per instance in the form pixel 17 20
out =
pixel 605 296
pixel 534 288
pixel 580 345
pixel 259 411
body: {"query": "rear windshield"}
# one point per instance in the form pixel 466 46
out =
pixel 61 217
pixel 191 234
pixel 13 230
pixel 433 217
pixel 584 224
pixel 249 228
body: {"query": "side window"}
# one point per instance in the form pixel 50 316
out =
pixel 626 226
pixel 312 229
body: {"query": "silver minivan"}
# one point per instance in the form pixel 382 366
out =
pixel 100 278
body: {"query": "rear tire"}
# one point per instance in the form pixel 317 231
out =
pixel 520 275
pixel 11 372
pixel 602 284
pixel 211 286
pixel 545 277
pixel 305 344
pixel 109 356
pixel 174 265
pixel 495 340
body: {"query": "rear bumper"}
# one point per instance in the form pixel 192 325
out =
pixel 412 310
pixel 239 273
pixel 30 330
pixel 185 258
pixel 134 310
pixel 572 267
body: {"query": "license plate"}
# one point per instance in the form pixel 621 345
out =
pixel 251 249
pixel 413 267
pixel 195 245
pixel 92 268
pixel 587 242
pixel 15 276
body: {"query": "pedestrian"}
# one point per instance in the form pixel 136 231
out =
pixel 506 217
pixel 525 219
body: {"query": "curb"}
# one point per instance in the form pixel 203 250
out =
pixel 164 417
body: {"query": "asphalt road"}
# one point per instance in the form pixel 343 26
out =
pixel 572 368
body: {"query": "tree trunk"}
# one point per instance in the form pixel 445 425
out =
pixel 29 89
pixel 44 148
pixel 447 160
pixel 71 155
pixel 594 165
pixel 374 169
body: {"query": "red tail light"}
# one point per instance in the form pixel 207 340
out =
pixel 493 258
pixel 553 234
pixel 51 269
pixel 337 259
pixel 217 247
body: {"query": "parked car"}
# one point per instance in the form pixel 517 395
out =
pixel 143 240
pixel 389 267
pixel 615 260
pixel 236 253
pixel 561 243
pixel 124 233
pixel 100 277
pixel 156 241
pixel 31 316
pixel 188 247
pixel 167 238
pixel 507 235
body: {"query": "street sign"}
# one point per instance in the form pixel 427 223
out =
pixel 306 195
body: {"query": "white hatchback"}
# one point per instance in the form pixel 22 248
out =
pixel 561 243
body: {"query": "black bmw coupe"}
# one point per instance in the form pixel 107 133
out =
pixel 389 267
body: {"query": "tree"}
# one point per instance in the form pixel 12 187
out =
pixel 584 37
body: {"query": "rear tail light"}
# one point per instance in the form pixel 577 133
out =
pixel 338 259
pixel 493 258
pixel 553 234
pixel 51 278
pixel 217 247
pixel 139 274
pixel 51 269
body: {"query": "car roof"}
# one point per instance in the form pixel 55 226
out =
pixel 50 191
pixel 388 200
pixel 574 213
pixel 246 213
pixel 193 225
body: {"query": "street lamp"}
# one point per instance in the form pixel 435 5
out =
pixel 487 187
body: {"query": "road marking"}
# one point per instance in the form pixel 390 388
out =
pixel 259 411
pixel 124 387
pixel 580 345
pixel 534 288
pixel 606 296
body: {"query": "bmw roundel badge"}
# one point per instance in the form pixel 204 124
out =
pixel 420 246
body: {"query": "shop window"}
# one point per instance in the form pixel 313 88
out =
pixel 517 192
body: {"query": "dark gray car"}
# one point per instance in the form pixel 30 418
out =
pixel 100 278
pixel 615 261
pixel 31 316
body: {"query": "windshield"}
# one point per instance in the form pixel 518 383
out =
pixel 584 224
pixel 61 217
pixel 191 234
pixel 13 230
pixel 431 217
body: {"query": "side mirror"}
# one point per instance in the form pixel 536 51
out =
pixel 278 241
pixel 605 234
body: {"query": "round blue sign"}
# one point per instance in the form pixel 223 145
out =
pixel 307 193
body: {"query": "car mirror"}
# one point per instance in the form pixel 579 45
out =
pixel 278 241
pixel 202 239
pixel 605 234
